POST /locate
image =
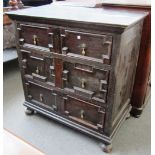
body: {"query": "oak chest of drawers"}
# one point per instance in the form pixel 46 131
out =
pixel 78 65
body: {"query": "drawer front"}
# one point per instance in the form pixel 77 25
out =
pixel 87 45
pixel 42 96
pixel 38 65
pixel 91 116
pixel 86 81
pixel 36 35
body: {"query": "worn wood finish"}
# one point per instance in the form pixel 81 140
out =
pixel 144 59
pixel 58 72
pixel 85 113
pixel 79 15
pixel 89 82
pixel 125 70
pixel 82 79
pixel 31 36
pixel 43 97
pixel 83 44
pixel 38 65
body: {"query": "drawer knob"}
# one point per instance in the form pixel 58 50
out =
pixel 82 113
pixel 83 83
pixel 83 47
pixel 21 41
pixel 83 51
pixel 65 50
pixel 41 97
pixel 35 39
pixel 37 70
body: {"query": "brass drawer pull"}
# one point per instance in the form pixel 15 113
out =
pixel 83 83
pixel 83 47
pixel 37 70
pixel 41 97
pixel 21 41
pixel 83 51
pixel 65 50
pixel 35 39
pixel 82 113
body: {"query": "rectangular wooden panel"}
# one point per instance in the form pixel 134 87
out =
pixel 40 95
pixel 37 65
pixel 84 113
pixel 37 36
pixel 87 44
pixel 85 80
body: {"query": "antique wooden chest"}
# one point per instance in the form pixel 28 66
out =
pixel 78 65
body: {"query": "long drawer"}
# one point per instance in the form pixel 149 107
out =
pixel 85 113
pixel 88 45
pixel 85 80
pixel 42 96
pixel 38 65
pixel 36 36
pixel 79 111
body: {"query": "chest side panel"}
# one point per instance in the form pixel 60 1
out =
pixel 125 69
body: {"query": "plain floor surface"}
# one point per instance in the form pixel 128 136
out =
pixel 9 54
pixel 12 145
pixel 52 138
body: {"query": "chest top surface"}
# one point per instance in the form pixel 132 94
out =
pixel 99 16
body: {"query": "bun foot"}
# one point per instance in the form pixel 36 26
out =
pixel 128 116
pixel 107 148
pixel 29 111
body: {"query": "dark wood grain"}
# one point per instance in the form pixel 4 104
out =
pixel 83 44
pixel 144 59
pixel 58 72
pixel 91 91
pixel 92 84
pixel 85 113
